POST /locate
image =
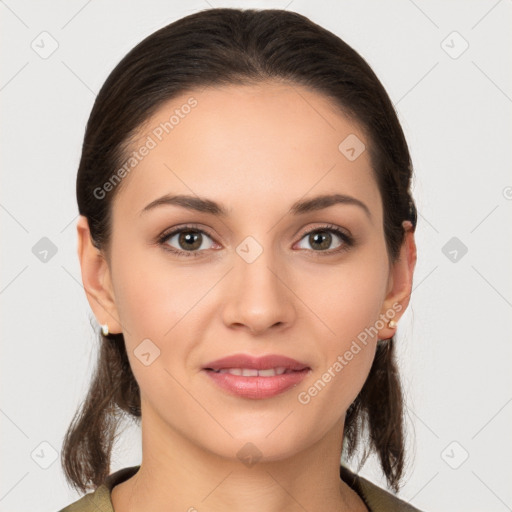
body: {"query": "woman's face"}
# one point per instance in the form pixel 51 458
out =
pixel 264 278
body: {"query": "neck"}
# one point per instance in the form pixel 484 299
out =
pixel 178 474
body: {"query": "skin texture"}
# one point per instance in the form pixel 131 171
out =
pixel 256 150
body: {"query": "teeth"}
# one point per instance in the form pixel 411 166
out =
pixel 251 372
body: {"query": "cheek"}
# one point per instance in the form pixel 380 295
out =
pixel 152 295
pixel 349 298
pixel 165 304
pixel 348 301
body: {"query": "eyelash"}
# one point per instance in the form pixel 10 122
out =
pixel 348 241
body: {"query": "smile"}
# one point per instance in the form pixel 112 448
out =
pixel 251 372
pixel 256 384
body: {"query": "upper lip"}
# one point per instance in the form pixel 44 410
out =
pixel 257 363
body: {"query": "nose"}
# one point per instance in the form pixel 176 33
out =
pixel 257 296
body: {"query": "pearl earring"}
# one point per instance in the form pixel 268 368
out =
pixel 104 330
pixel 392 324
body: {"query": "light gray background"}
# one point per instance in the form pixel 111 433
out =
pixel 454 341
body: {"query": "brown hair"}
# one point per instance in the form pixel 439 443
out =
pixel 234 46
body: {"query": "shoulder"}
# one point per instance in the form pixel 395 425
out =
pixel 96 501
pixel 100 499
pixel 376 498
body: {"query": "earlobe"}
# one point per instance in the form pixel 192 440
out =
pixel 401 277
pixel 96 279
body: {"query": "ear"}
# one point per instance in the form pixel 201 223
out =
pixel 96 279
pixel 400 283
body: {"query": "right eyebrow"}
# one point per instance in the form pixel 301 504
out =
pixel 190 202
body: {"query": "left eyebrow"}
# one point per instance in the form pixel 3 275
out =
pixel 299 207
pixel 324 201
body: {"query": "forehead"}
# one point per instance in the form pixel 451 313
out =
pixel 246 146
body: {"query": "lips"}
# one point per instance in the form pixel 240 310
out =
pixel 247 362
pixel 256 378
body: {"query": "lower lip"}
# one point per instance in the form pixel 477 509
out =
pixel 257 387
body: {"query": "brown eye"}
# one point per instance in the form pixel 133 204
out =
pixel 321 239
pixel 190 240
pixel 187 241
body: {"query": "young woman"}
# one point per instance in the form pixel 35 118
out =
pixel 246 240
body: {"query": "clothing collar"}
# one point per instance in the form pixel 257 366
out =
pixel 375 498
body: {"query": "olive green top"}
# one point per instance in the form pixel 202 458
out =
pixel 375 498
